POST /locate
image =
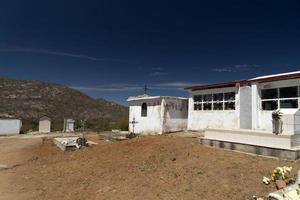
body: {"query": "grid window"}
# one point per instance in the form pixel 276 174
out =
pixel 218 97
pixel 207 106
pixel 291 103
pixel 269 94
pixel 277 98
pixel 288 92
pixel 229 96
pixel 229 106
pixel 216 101
pixel 197 106
pixel 207 97
pixel 218 106
pixel 198 98
pixel 269 105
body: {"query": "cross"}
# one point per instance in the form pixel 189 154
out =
pixel 133 122
pixel 145 89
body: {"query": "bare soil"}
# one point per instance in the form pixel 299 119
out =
pixel 151 167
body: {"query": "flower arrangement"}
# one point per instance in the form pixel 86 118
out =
pixel 281 173
pixel 276 115
pixel 277 122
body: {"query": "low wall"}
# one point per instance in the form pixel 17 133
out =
pixel 253 137
pixel 253 149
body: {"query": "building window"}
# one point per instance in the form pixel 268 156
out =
pixel 270 105
pixel 269 94
pixel 207 102
pixel 277 98
pixel 217 101
pixel 144 110
pixel 198 102
pixel 229 101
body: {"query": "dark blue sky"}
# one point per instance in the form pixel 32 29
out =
pixel 110 49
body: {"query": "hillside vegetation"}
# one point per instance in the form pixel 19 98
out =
pixel 30 100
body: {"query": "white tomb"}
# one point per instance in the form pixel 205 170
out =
pixel 45 125
pixel 68 125
pixel 157 114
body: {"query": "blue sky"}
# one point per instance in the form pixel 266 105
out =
pixel 110 49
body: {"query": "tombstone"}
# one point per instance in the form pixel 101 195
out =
pixel 68 125
pixel 45 125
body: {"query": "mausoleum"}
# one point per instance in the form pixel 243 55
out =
pixel 240 112
pixel 157 114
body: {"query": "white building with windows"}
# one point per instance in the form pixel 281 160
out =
pixel 246 104
pixel 157 114
pixel 240 112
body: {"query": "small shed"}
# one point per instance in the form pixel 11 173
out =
pixel 45 124
pixel 10 126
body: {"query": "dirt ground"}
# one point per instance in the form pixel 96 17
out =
pixel 151 167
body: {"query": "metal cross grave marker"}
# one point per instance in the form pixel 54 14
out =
pixel 133 122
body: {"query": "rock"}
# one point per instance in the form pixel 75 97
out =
pixel 3 167
pixel 266 180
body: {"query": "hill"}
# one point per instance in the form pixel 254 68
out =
pixel 30 100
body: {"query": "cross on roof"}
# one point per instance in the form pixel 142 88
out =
pixel 145 89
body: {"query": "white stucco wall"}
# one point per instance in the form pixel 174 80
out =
pixel 152 124
pixel 297 122
pixel 10 126
pixel 175 114
pixel 199 120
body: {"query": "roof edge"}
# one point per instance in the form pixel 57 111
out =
pixel 261 79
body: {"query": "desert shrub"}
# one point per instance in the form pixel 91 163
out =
pixel 57 126
pixel 98 125
pixel 122 124
pixel 29 125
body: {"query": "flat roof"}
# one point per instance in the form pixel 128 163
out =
pixel 259 79
pixel 145 97
pixel 276 77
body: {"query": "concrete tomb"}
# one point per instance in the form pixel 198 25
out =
pixel 45 125
pixel 68 125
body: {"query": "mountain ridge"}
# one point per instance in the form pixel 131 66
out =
pixel 32 99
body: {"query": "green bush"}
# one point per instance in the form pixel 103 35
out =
pixel 122 124
pixel 29 125
pixel 57 126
